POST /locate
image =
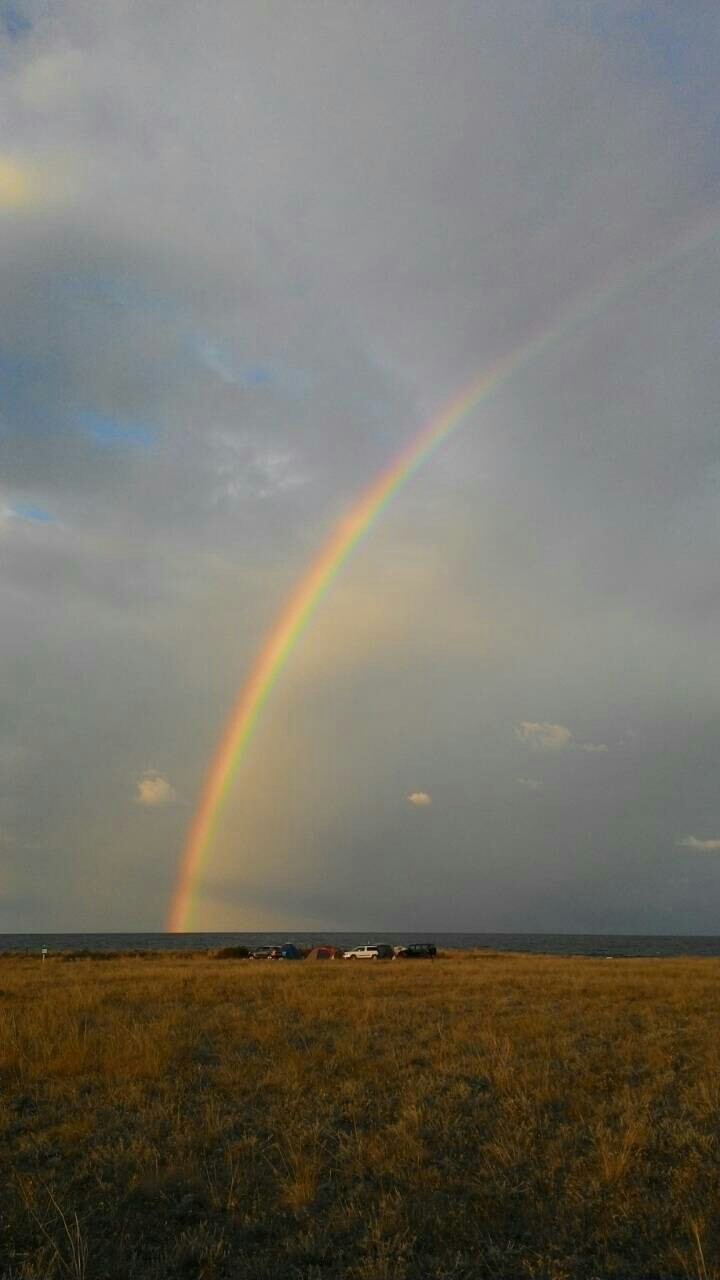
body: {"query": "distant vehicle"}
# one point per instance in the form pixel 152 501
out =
pixel 266 953
pixel 416 951
pixel 374 951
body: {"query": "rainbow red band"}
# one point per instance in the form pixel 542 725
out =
pixel 317 580
pixel 285 634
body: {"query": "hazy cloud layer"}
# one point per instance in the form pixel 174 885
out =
pixel 243 260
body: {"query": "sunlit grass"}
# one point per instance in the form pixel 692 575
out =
pixel 529 1116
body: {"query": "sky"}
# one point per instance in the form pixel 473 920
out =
pixel 247 252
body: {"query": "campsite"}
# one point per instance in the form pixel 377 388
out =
pixel 328 951
pixel 486 1116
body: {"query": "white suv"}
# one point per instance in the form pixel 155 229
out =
pixel 376 951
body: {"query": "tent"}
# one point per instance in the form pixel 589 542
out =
pixel 325 952
pixel 289 951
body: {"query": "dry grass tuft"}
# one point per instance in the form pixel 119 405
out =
pixel 537 1117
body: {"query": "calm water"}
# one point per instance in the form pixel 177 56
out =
pixel 558 944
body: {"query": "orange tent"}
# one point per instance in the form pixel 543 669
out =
pixel 325 952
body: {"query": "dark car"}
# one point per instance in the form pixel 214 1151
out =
pixel 416 951
pixel 266 953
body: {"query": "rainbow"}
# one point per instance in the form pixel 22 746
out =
pixel 344 538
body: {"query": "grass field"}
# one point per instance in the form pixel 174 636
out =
pixel 479 1116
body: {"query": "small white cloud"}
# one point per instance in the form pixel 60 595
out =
pixel 544 736
pixel 243 472
pixel 420 798
pixel 153 790
pixel 530 784
pixel 279 472
pixel 216 359
pixel 702 846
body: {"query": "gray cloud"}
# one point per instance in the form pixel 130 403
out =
pixel 244 261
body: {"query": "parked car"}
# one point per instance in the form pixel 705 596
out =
pixel 266 953
pixel 416 951
pixel 372 951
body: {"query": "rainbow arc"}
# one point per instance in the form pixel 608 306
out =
pixel 354 525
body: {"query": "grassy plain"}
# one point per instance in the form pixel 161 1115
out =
pixel 479 1116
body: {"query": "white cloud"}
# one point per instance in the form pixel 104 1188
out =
pixel 279 472
pixel 420 798
pixel 530 784
pixel 153 790
pixel 243 472
pixel 702 846
pixel 218 361
pixel 544 736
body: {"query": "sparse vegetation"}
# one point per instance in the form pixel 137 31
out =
pixel 535 1117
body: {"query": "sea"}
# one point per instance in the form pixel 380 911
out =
pixel 554 944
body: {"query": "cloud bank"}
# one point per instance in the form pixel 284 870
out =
pixel 245 260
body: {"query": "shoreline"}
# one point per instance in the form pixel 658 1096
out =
pixel 444 954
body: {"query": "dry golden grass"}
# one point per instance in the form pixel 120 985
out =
pixel 477 1117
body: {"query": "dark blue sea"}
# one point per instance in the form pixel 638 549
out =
pixel 556 944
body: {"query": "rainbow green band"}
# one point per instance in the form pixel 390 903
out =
pixel 298 612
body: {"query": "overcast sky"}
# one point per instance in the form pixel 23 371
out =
pixel 247 250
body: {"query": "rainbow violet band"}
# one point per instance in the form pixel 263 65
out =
pixel 289 627
pixel 298 612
